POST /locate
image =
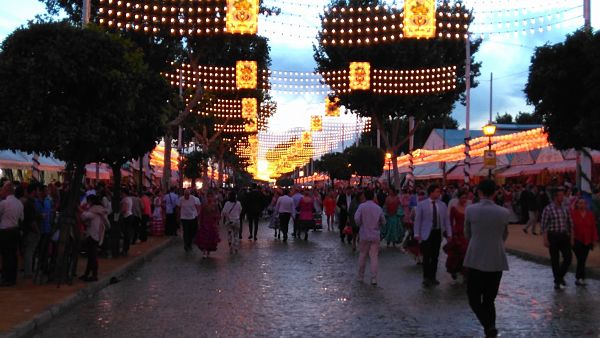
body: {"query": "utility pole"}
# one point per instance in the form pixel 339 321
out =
pixel 584 157
pixel 85 13
pixel 467 162
pixel 491 93
pixel 587 13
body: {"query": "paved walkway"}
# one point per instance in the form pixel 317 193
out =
pixel 308 289
pixel 25 301
pixel 532 246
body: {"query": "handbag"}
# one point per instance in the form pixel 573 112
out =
pixel 347 230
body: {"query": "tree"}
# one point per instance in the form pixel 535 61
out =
pixel 193 165
pixel 366 161
pixel 82 95
pixel 528 118
pixel 397 54
pixel 335 165
pixel 563 86
pixel 504 119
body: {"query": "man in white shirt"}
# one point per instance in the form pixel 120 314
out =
pixel 188 212
pixel 369 217
pixel 286 209
pixel 128 220
pixel 11 213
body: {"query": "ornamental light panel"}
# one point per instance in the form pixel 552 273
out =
pixel 360 75
pixel 249 112
pixel 242 16
pixel 419 19
pixel 332 108
pixel 246 74
pixel 316 123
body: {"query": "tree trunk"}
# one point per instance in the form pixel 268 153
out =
pixel 141 174
pixel 167 162
pixel 116 197
pixel 69 238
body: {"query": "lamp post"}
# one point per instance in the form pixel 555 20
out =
pixel 489 130
pixel 388 156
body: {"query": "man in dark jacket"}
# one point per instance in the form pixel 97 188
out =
pixel 255 204
pixel 343 202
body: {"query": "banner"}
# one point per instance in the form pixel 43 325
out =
pixel 332 107
pixel 419 19
pixel 316 123
pixel 246 74
pixel 242 16
pixel 360 75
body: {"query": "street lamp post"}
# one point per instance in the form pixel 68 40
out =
pixel 489 130
pixel 388 156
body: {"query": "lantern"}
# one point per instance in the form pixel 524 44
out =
pixel 242 16
pixel 306 137
pixel 331 107
pixel 246 74
pixel 419 18
pixel 360 75
pixel 316 123
pixel 249 108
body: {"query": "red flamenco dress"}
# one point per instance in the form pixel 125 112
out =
pixel 207 237
pixel 456 248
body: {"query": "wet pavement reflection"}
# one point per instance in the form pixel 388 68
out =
pixel 308 289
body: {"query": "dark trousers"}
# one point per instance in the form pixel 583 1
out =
pixel 115 237
pixel 92 257
pixel 242 216
pixel 253 223
pixel 144 228
pixel 9 242
pixel 284 222
pixel 342 222
pixel 482 289
pixel 127 230
pixel 560 244
pixel 431 251
pixel 190 227
pixel 581 253
pixel 136 229
pixel 171 226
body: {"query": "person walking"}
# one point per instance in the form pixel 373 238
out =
pixel 557 231
pixel 329 205
pixel 158 218
pixel 343 203
pixel 208 237
pixel 369 217
pixel 286 210
pixel 188 208
pixel 393 232
pixel 255 204
pixel 486 228
pixel 585 234
pixel 11 213
pixel 170 211
pixel 31 228
pixel 230 216
pixel 96 221
pixel 146 201
pixel 127 220
pixel 431 222
pixel 457 246
pixel 305 220
pixel 529 205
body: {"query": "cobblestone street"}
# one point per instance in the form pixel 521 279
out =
pixel 308 289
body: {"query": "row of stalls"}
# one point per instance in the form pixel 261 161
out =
pixel 536 163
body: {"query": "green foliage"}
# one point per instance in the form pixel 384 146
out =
pixel 335 165
pixel 398 54
pixel 528 118
pixel 193 163
pixel 504 119
pixel 563 86
pixel 366 161
pixel 285 181
pixel 81 94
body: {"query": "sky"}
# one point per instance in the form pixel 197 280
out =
pixel 291 39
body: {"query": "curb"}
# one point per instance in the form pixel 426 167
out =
pixel 592 273
pixel 28 327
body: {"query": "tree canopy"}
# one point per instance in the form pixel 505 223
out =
pixel 81 94
pixel 563 86
pixel 506 118
pixel 366 161
pixel 335 165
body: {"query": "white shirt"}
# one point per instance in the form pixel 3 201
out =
pixel 231 212
pixel 127 206
pixel 188 207
pixel 369 216
pixel 285 204
pixel 11 212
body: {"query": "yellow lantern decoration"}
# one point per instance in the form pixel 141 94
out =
pixel 331 107
pixel 316 123
pixel 242 16
pixel 246 74
pixel 419 19
pixel 306 137
pixel 249 112
pixel 360 75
